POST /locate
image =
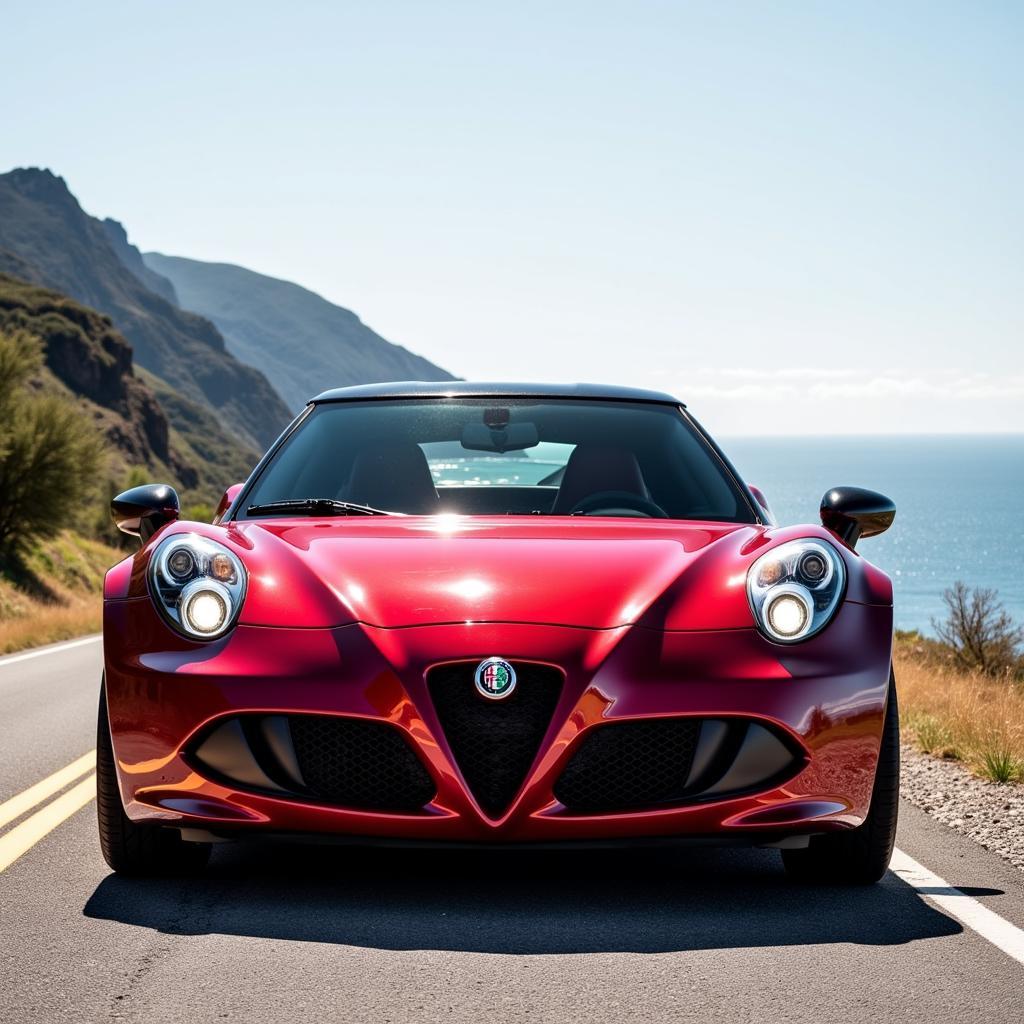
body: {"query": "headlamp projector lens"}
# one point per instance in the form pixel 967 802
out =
pixel 787 615
pixel 813 567
pixel 205 611
pixel 181 564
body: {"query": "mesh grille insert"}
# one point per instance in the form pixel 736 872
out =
pixel 358 763
pixel 494 742
pixel 629 765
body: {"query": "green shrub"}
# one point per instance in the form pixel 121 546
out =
pixel 50 453
pixel 999 765
pixel 933 737
pixel 199 513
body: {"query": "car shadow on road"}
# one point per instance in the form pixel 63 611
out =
pixel 528 902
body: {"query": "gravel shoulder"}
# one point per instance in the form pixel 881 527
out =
pixel 990 813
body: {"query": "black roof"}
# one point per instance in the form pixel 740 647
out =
pixel 476 389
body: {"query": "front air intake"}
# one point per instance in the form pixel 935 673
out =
pixel 326 759
pixel 641 763
pixel 354 762
pixel 649 763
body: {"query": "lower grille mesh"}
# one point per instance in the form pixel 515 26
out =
pixel 494 742
pixel 358 763
pixel 630 765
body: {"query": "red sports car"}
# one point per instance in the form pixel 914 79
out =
pixel 498 614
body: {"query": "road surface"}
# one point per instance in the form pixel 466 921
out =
pixel 317 934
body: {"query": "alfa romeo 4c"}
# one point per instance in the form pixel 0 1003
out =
pixel 498 614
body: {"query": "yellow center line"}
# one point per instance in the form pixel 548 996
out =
pixel 25 801
pixel 23 837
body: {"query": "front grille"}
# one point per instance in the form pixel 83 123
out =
pixel 357 763
pixel 630 764
pixel 494 742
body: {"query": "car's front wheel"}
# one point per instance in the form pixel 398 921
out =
pixel 861 855
pixel 128 848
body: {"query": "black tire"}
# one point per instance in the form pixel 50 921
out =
pixel 131 849
pixel 861 855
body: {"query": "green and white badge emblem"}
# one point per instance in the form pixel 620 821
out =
pixel 495 678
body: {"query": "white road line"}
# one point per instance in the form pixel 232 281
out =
pixel 52 649
pixel 968 911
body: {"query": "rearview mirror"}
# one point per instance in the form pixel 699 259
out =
pixel 510 437
pixel 854 512
pixel 141 511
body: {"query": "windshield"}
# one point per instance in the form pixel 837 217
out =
pixel 502 457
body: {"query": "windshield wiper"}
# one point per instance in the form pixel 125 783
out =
pixel 315 507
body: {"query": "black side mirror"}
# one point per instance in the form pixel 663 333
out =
pixel 853 512
pixel 143 510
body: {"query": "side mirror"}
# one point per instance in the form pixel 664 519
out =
pixel 227 499
pixel 141 511
pixel 854 512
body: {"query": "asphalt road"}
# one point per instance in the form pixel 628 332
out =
pixel 314 933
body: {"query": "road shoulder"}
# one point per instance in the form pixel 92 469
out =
pixel 962 862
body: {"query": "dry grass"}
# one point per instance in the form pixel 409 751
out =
pixel 967 716
pixel 58 596
pixel 47 624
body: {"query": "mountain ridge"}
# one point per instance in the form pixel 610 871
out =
pixel 306 342
pixel 42 223
pixel 130 256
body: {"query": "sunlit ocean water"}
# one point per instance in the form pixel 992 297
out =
pixel 959 500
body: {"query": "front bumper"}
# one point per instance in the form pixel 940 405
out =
pixel 825 698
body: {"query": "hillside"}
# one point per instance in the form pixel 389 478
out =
pixel 42 225
pixel 130 257
pixel 303 342
pixel 65 599
pixel 145 423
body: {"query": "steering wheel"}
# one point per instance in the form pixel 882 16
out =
pixel 618 503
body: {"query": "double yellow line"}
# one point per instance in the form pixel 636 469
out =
pixel 26 834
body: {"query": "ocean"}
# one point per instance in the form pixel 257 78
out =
pixel 959 507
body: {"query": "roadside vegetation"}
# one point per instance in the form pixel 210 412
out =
pixel 962 693
pixel 50 453
pixel 58 593
pixel 79 423
pixel 54 543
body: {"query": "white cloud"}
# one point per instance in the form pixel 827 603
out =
pixel 790 373
pixel 814 384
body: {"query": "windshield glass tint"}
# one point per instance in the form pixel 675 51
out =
pixel 503 457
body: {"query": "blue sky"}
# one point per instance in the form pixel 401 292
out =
pixel 799 217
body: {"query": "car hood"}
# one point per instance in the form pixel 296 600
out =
pixel 414 571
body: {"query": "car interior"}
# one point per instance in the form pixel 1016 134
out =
pixel 544 457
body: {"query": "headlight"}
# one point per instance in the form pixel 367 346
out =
pixel 794 589
pixel 198 584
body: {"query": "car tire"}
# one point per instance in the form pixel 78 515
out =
pixel 128 848
pixel 861 855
